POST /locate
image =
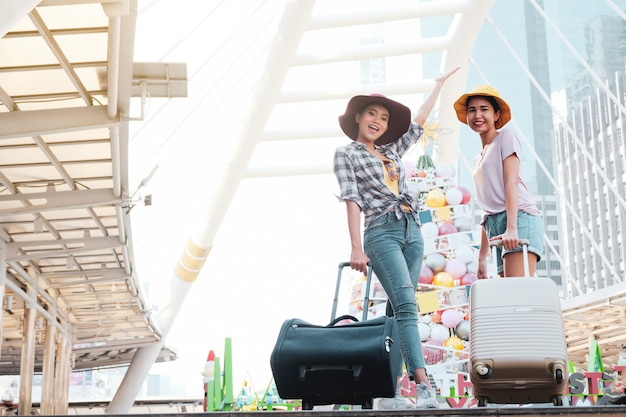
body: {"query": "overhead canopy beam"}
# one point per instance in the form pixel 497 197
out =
pixel 90 276
pixel 159 79
pixel 319 94
pixel 389 14
pixel 19 124
pixel 435 44
pixel 91 244
pixel 59 199
pixel 74 2
pixel 55 48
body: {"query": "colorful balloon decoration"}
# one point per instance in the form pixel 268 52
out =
pixel 468 279
pixel 443 279
pixel 430 230
pixel 435 198
pixel 456 268
pixel 463 329
pixel 436 262
pixel 450 264
pixel 424 330
pixel 451 318
pixel 466 195
pixel 426 275
pixel 439 333
pixel 454 343
pixel 454 196
pixel 447 228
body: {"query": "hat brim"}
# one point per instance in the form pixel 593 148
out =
pixel 460 106
pixel 399 117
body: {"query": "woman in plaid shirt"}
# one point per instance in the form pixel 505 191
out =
pixel 372 180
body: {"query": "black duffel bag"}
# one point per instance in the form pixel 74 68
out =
pixel 337 364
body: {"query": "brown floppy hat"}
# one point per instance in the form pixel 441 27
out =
pixel 483 90
pixel 399 117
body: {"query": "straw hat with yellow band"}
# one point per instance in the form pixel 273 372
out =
pixel 483 90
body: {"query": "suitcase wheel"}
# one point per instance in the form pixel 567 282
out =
pixel 307 404
pixel 484 371
pixel 482 401
pixel 558 375
pixel 368 404
pixel 557 400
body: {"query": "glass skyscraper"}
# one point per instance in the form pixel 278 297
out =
pixel 546 57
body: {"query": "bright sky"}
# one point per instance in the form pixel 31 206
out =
pixel 278 248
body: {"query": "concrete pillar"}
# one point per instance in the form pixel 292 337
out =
pixel 28 354
pixel 63 368
pixel 49 360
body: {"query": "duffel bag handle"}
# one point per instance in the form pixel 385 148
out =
pixel 340 318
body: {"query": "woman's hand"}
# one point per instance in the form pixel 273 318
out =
pixel 510 239
pixel 443 77
pixel 427 106
pixel 482 272
pixel 358 261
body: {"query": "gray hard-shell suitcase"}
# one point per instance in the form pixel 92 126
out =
pixel 518 352
pixel 346 364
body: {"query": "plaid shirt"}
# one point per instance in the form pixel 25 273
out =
pixel 361 177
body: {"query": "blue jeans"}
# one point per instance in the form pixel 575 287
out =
pixel 529 227
pixel 396 249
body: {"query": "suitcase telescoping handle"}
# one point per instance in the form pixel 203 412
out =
pixel 366 297
pixel 524 243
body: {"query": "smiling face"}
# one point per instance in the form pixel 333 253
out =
pixel 481 114
pixel 373 121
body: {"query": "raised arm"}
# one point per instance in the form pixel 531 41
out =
pixel 427 106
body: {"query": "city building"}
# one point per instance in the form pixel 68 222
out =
pixel 545 65
pixel 591 161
